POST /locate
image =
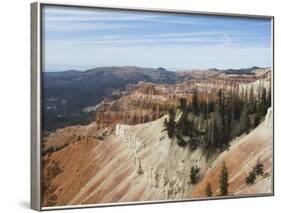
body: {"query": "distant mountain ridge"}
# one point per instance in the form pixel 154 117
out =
pixel 67 93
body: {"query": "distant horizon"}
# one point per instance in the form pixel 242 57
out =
pixel 77 38
pixel 168 69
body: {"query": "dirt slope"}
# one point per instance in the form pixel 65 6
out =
pixel 241 157
pixel 140 163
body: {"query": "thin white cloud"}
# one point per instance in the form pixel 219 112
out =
pixel 192 38
pixel 56 20
pixel 67 44
pixel 97 17
pixel 78 27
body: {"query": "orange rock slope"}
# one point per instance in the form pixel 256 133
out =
pixel 241 157
pixel 139 163
pixel 125 156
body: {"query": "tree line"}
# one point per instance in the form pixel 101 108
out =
pixel 211 123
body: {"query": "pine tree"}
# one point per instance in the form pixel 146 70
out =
pixel 221 100
pixel 251 178
pixel 184 126
pixel 259 169
pixel 166 123
pixel 194 174
pixel 251 101
pixel 210 106
pixel 245 123
pixel 268 98
pixel 226 121
pixel 254 106
pixel 205 110
pixel 220 96
pixel 215 134
pixel 236 104
pixel 207 146
pixel 257 118
pixel 170 125
pixel 182 104
pixel 263 106
pixel 224 180
pixel 208 190
pixel 228 125
pixel 195 107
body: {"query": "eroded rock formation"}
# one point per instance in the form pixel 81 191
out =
pixel 125 156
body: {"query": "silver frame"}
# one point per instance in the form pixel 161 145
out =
pixel 36 69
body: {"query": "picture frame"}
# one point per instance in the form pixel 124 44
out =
pixel 38 63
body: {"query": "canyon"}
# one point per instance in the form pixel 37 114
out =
pixel 125 155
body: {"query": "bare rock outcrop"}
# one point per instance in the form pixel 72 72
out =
pixel 125 156
pixel 142 163
pixel 164 164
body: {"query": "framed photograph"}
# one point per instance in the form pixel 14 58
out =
pixel 139 105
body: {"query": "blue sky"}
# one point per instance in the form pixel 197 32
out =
pixel 81 38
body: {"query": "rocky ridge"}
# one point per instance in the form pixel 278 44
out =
pixel 126 156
